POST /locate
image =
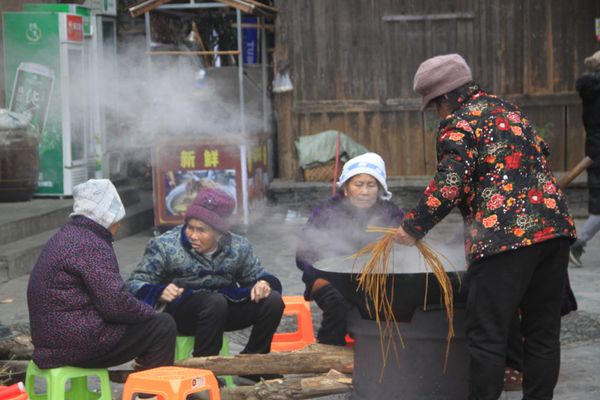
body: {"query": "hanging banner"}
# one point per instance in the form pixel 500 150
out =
pixel 250 41
pixel 598 29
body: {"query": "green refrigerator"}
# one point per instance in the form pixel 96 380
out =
pixel 46 78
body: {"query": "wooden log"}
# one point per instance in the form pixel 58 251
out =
pixel 315 359
pixel 18 347
pixel 291 388
pixel 575 172
pixel 259 363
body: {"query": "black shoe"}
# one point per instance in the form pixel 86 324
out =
pixel 257 378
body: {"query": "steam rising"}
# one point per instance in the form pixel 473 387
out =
pixel 168 96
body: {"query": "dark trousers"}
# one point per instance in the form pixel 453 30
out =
pixel 335 315
pixel 206 315
pixel 514 348
pixel 532 279
pixel 151 343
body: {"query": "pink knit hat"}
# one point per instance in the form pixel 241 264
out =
pixel 439 75
pixel 212 206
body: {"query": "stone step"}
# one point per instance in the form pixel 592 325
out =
pixel 303 196
pixel 18 257
pixel 23 219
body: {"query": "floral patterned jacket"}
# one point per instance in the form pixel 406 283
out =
pixel 493 167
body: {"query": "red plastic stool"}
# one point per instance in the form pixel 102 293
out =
pixel 349 341
pixel 304 334
pixel 171 383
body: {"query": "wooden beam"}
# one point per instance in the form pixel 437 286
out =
pixel 350 106
pixel 414 104
pixel 145 6
pixel 192 53
pixel 550 99
pixel 248 7
pixel 269 27
pixel 426 17
pixel 283 103
pixel 263 5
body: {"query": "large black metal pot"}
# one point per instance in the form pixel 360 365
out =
pixel 418 372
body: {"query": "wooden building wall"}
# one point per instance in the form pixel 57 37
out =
pixel 352 64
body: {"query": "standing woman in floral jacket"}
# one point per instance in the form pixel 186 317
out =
pixel 494 168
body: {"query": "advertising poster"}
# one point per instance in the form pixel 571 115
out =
pixel 31 93
pixel 181 170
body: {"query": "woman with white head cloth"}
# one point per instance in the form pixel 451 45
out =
pixel 337 228
pixel 80 312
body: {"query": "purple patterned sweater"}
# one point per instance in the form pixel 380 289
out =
pixel 79 307
pixel 336 228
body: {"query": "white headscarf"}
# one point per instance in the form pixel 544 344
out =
pixel 98 200
pixel 368 163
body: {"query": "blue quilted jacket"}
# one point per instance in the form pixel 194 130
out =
pixel 169 258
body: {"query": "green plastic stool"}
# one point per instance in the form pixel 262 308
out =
pixel 184 346
pixel 56 379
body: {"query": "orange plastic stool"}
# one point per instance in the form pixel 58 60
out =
pixel 171 383
pixel 304 334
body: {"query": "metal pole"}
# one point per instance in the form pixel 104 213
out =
pixel 243 147
pixel 263 54
pixel 245 197
pixel 148 43
pixel 238 15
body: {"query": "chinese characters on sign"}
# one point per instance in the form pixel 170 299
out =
pixel 187 159
pixel 211 158
pixel 75 28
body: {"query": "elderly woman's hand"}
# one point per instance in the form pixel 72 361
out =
pixel 170 293
pixel 260 290
pixel 402 237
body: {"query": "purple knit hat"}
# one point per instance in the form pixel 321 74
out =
pixel 212 206
pixel 439 75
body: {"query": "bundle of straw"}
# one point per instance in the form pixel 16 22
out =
pixel 373 280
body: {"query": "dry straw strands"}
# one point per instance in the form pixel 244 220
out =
pixel 373 280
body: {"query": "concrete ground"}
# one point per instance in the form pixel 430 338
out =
pixel 274 239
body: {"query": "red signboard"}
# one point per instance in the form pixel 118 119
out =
pixel 183 166
pixel 75 28
pixel 180 170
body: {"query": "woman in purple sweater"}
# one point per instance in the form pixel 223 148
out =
pixel 338 228
pixel 80 312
